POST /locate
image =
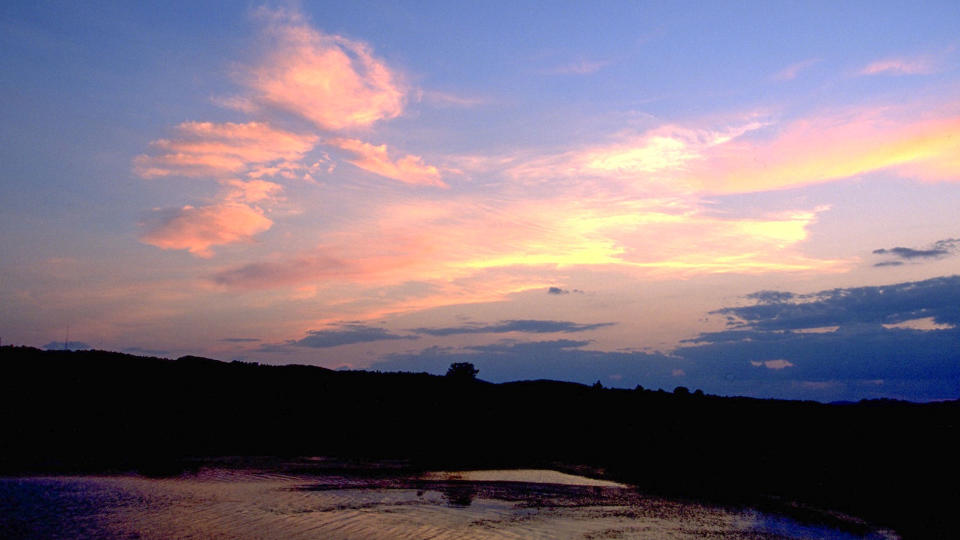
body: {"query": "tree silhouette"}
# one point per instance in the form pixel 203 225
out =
pixel 463 371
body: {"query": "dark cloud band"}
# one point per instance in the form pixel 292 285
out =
pixel 519 325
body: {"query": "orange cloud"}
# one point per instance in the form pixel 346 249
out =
pixel 205 149
pixel 330 80
pixel 408 169
pixel 197 229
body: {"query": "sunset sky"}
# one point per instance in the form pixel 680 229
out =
pixel 753 198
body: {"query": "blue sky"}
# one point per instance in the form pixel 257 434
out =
pixel 568 190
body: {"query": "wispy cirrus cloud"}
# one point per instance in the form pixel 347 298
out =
pixel 442 241
pixel 579 66
pixel 294 170
pixel 251 191
pixel 762 155
pixel 633 203
pixel 198 228
pixel 447 99
pixel 831 147
pixel 664 152
pixel 614 221
pixel 790 72
pixel 408 169
pixel 290 271
pixel 917 65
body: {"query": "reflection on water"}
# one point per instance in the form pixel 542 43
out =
pixel 335 502
pixel 459 494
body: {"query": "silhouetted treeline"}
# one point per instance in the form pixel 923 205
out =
pixel 890 462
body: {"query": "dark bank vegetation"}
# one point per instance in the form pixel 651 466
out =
pixel 891 463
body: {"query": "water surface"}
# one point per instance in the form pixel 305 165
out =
pixel 338 502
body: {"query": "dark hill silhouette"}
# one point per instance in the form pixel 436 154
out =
pixel 889 462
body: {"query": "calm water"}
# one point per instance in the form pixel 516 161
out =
pixel 370 502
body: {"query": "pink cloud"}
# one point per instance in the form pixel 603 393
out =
pixel 831 147
pixel 197 229
pixel 605 217
pixel 773 364
pixel 409 169
pixel 661 153
pixel 374 287
pixel 294 170
pixel 694 243
pixel 295 270
pixel 431 251
pixel 444 99
pixel 440 242
pixel 251 191
pixel 790 72
pixel 205 149
pixel 921 65
pixel 186 164
pixel 330 80
pixel 579 67
pixel 754 156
